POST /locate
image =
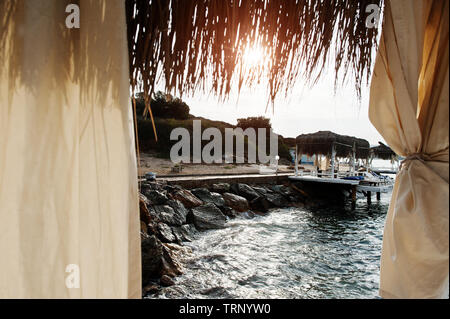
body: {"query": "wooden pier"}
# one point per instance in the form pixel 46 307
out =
pixel 353 185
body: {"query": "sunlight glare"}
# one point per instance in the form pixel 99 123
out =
pixel 253 57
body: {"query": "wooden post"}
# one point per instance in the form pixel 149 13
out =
pixel 378 195
pixel 296 161
pixel 369 197
pixel 333 155
pixel 354 159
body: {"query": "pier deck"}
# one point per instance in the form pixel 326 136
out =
pixel 327 180
pixel 355 185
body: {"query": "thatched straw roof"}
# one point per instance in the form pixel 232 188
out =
pixel 199 44
pixel 382 151
pixel 321 143
pixel 193 45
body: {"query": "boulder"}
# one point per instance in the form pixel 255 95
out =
pixel 283 190
pixel 230 212
pixel 217 199
pixel 147 186
pixel 260 204
pixel 151 257
pixel 202 193
pixel 220 187
pixel 236 202
pixel 144 199
pixel 165 233
pixel 179 238
pixel 208 216
pixel 144 236
pixel 154 217
pixel 166 281
pixel 189 231
pixel 168 215
pixel 170 266
pixel 185 232
pixel 276 200
pixel 179 209
pixel 150 289
pixel 209 197
pixel 172 188
pixel 156 197
pixel 144 213
pixel 152 228
pixel 143 227
pixel 244 190
pixel 187 198
pixel 260 190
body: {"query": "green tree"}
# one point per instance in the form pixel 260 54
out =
pixel 163 106
pixel 254 122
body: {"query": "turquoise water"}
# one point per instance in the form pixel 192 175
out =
pixel 290 253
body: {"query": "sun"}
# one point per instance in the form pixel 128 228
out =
pixel 253 57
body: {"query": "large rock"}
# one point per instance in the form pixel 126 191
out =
pixel 236 202
pixel 165 233
pixel 260 204
pixel 217 199
pixel 260 190
pixel 151 257
pixel 208 216
pixel 168 215
pixel 179 209
pixel 283 190
pixel 179 238
pixel 170 265
pixel 158 259
pixel 220 187
pixel 147 186
pixel 187 198
pixel 172 188
pixel 166 281
pixel 156 197
pixel 276 200
pixel 209 197
pixel 244 190
pixel 143 227
pixel 184 233
pixel 189 231
pixel 144 213
pixel 230 212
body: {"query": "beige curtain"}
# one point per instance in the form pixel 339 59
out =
pixel 68 186
pixel 409 107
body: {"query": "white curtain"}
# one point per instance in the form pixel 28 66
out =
pixel 68 180
pixel 409 107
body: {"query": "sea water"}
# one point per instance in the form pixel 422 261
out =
pixel 332 252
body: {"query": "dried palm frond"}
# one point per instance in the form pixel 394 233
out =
pixel 199 44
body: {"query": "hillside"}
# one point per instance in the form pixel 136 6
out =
pixel 170 113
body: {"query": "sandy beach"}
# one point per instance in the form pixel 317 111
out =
pixel 162 166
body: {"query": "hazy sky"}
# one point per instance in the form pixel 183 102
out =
pixel 307 110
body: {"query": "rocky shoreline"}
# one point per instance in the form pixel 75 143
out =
pixel 171 215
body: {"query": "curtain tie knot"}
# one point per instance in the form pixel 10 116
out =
pixel 440 156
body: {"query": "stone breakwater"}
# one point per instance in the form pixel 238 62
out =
pixel 171 215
